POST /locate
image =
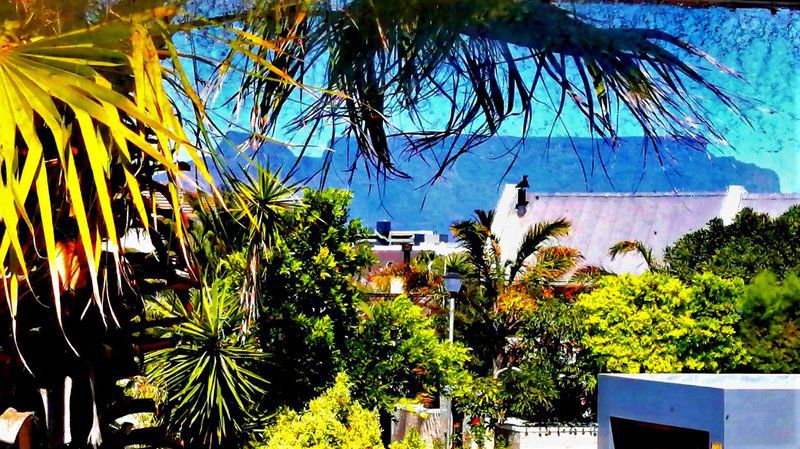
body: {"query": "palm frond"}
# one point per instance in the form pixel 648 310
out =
pixel 553 263
pixel 386 58
pixel 538 235
pixel 588 274
pixel 638 247
pixel 70 132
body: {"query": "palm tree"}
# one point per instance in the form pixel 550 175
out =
pixel 500 292
pixel 88 131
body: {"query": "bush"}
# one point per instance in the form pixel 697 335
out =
pixel 334 420
pixel 657 323
pixel 396 353
pixel 556 377
pixel 413 440
pixel 753 243
pixel 770 324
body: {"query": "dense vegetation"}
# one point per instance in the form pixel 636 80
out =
pixel 754 242
pixel 250 312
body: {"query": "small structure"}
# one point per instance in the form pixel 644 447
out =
pixel 432 424
pixel 523 435
pixel 699 411
pixel 396 247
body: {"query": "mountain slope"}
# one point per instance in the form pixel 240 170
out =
pixel 475 180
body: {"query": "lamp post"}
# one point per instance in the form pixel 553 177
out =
pixel 452 283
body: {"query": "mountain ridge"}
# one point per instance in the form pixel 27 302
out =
pixel 552 165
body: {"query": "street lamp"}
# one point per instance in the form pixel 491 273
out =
pixel 452 283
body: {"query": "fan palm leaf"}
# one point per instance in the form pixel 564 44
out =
pixel 75 144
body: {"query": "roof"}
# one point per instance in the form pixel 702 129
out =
pixel 601 220
pixel 728 381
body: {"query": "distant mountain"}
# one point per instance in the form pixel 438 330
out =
pixel 475 181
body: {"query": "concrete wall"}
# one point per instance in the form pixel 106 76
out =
pixel 738 411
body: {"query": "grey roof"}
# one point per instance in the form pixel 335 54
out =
pixel 772 203
pixel 601 220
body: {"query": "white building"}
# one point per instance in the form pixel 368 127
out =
pixel 599 220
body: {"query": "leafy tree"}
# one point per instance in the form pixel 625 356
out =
pixel 501 292
pixel 333 420
pixel 308 308
pixel 770 324
pixel 753 243
pixel 207 372
pixel 658 323
pixel 396 353
pixel 557 377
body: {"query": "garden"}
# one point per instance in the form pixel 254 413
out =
pixel 159 292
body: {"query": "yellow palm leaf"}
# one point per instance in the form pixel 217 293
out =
pixel 65 127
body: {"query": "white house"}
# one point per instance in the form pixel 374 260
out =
pixel 599 220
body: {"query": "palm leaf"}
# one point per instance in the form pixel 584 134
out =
pixel 68 127
pixel 389 57
pixel 635 246
pixel 538 235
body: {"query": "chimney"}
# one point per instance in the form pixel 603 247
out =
pixel 732 203
pixel 383 227
pixel 522 195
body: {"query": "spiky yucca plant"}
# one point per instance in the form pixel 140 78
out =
pixel 207 375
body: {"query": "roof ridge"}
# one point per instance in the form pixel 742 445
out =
pixel 628 194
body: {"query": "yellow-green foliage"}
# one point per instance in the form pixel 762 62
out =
pixel 412 440
pixel 332 421
pixel 657 323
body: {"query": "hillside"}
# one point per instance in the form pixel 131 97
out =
pixel 475 180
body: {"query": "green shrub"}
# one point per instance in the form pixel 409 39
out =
pixel 207 376
pixel 396 353
pixel 412 440
pixel 657 323
pixel 556 377
pixel 334 420
pixel 770 324
pixel 753 243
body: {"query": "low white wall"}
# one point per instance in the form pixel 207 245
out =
pixel 550 437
